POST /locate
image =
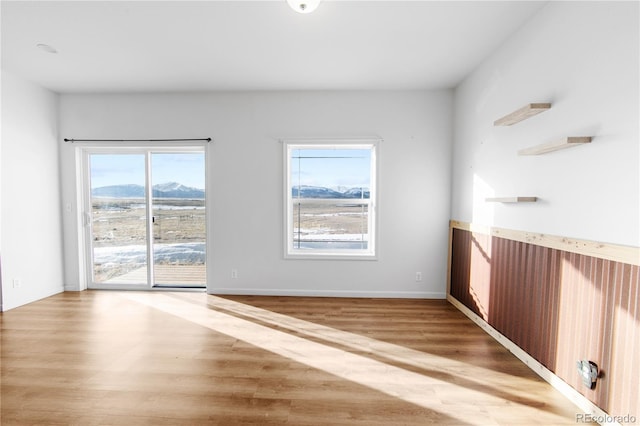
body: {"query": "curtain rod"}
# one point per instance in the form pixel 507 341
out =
pixel 135 140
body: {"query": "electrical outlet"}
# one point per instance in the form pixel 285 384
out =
pixel 234 274
pixel 418 276
pixel 17 283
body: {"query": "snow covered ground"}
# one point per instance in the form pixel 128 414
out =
pixel 195 253
pixel 321 238
pixel 168 253
pixel 331 245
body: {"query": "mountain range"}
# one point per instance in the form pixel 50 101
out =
pixel 162 190
pixel 307 191
pixel 178 190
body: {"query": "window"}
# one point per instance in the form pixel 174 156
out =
pixel 330 200
pixel 144 216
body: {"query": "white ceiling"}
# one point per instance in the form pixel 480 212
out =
pixel 121 46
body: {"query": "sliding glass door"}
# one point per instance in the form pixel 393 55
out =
pixel 145 216
pixel 118 224
pixel 178 215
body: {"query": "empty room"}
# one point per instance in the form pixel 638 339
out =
pixel 320 212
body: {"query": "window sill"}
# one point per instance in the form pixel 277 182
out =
pixel 330 256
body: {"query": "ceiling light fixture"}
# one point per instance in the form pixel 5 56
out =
pixel 46 48
pixel 304 6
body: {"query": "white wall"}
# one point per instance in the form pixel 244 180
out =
pixel 582 57
pixel 246 172
pixel 31 239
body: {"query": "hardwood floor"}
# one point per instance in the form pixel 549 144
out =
pixel 155 358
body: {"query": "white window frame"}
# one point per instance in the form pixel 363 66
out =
pixel 371 253
pixel 83 186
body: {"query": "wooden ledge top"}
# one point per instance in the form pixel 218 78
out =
pixel 523 113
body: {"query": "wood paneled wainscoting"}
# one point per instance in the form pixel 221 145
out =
pixel 555 301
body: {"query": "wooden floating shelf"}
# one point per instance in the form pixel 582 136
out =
pixel 512 200
pixel 555 145
pixel 522 114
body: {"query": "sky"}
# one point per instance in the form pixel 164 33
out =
pixel 114 169
pixel 331 168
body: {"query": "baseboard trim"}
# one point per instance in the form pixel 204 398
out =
pixel 327 293
pixel 50 292
pixel 547 375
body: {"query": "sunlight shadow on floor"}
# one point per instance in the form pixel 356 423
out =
pixel 439 380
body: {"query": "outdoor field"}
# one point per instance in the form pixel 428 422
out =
pixel 119 234
pixel 316 222
pixel 119 229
